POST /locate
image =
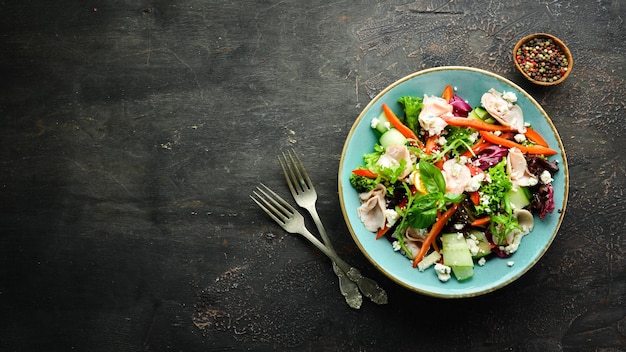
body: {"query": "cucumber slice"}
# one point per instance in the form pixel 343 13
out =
pixel 383 124
pixel 481 114
pixel 483 245
pixel 391 137
pixel 457 256
pixel 463 272
pixel 519 197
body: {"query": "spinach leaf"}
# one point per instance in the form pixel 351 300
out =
pixel 432 178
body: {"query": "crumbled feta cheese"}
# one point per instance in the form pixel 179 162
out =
pixel 396 246
pixel 514 245
pixel 520 137
pixel 475 183
pixel 474 137
pixel 463 160
pixel 459 235
pixel 443 272
pixel 459 226
pixel 545 177
pixel 472 244
pixel 510 263
pixel 433 124
pixel 456 169
pixel 392 216
pixel 375 122
pixel 497 133
pixel 442 140
pixel 482 261
pixel 429 260
pixel 485 199
pixel 509 96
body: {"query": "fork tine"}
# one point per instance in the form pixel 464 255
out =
pixel 279 203
pixel 266 210
pixel 289 176
pixel 303 176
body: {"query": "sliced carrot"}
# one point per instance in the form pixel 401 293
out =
pixel 381 232
pixel 538 150
pixel 482 221
pixel 434 232
pixel 435 246
pixel 365 173
pixel 533 149
pixel 431 144
pixel 535 137
pixel 477 148
pixel 474 123
pixel 475 197
pixel 448 93
pixel 395 122
pixel 490 137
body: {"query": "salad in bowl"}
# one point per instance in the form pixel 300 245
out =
pixel 455 179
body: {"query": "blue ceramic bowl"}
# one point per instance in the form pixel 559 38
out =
pixel 470 83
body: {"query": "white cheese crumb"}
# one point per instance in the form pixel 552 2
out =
pixel 392 216
pixel 520 137
pixel 510 97
pixel 375 122
pixel 443 272
pixel 473 246
pixel 442 140
pixel 429 260
pixel 433 124
pixel 546 177
pixel 510 263
pixel 475 183
pixel 482 261
pixel 396 246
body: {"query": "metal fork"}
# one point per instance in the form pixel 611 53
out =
pixel 305 195
pixel 293 222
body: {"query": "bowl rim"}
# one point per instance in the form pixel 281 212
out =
pixel 341 170
pixel 559 42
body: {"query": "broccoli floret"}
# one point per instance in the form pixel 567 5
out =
pixel 362 183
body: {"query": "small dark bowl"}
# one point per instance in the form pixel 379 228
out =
pixel 561 71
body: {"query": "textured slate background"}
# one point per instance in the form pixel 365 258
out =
pixel 132 132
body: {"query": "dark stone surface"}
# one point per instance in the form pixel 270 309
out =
pixel 132 133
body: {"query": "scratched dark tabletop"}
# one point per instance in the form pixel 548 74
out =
pixel 133 132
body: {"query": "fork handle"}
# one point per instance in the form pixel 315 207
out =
pixel 348 289
pixel 368 286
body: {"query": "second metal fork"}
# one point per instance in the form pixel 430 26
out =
pixel 305 196
pixel 293 222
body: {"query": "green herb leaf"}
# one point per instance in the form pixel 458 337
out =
pixel 453 198
pixel 501 226
pixel 423 211
pixel 432 178
pixel 412 107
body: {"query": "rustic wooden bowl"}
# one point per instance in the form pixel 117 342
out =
pixel 559 44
